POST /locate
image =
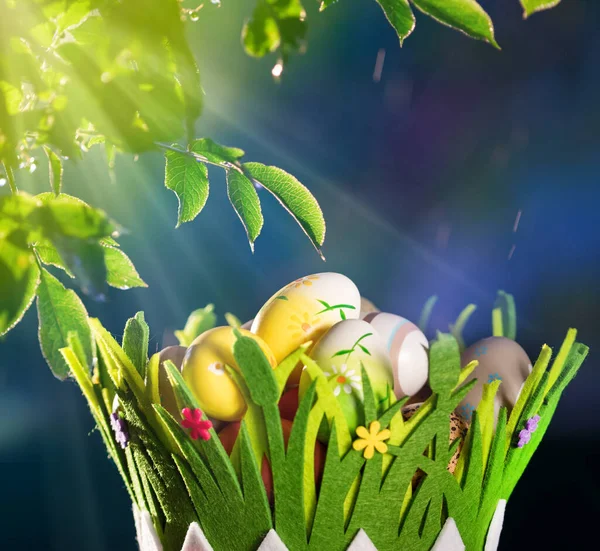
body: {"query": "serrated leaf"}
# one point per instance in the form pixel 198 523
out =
pixel 532 6
pixel 49 256
pixel 295 197
pixel 85 260
pixel 465 15
pixel 215 152
pixel 69 216
pixel 120 271
pixel 260 34
pixel 400 16
pixel 60 311
pixel 188 179
pixel 245 202
pixel 55 170
pixel 198 321
pixel 19 279
pixel 275 25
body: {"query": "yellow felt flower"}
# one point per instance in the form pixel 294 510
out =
pixel 371 440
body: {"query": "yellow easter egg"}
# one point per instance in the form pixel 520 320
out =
pixel 304 310
pixel 204 372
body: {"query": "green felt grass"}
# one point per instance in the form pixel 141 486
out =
pixel 179 480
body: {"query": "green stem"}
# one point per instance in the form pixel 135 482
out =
pixel 11 178
pixel 200 158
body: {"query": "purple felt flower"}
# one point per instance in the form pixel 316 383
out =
pixel 119 426
pixel 532 424
pixel 524 438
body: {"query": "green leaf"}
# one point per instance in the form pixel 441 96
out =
pixel 69 216
pixel 19 279
pixel 60 311
pixel 532 6
pixel 85 260
pixel 400 16
pixel 233 320
pixel 275 25
pixel 120 271
pixel 55 170
pixel 215 152
pixel 198 321
pixel 295 198
pixel 245 202
pixel 135 342
pixel 188 179
pixel 49 256
pixel 465 15
pixel 260 34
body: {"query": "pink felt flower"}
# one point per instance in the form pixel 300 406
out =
pixel 192 419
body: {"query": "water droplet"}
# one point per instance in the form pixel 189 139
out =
pixel 277 69
pixel 32 168
pixel 3 182
pixel 194 17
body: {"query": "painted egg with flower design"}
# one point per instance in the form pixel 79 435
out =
pixel 303 311
pixel 407 346
pixel 204 371
pixel 499 358
pixel 340 354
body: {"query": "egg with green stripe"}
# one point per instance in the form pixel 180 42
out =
pixel 303 311
pixel 407 347
pixel 340 353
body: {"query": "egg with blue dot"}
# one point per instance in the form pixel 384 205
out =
pixel 499 359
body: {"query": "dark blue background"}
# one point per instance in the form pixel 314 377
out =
pixel 420 176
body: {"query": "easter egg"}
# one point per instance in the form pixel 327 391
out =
pixel 499 358
pixel 229 434
pixel 340 353
pixel 167 396
pixel 303 310
pixel 407 347
pixel 288 404
pixel 204 372
pixel 366 307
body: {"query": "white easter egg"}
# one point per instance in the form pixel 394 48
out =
pixel 407 347
pixel 499 358
pixel 340 353
pixel 304 310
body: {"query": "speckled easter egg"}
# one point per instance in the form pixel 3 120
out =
pixel 366 307
pixel 167 396
pixel 407 347
pixel 458 429
pixel 303 310
pixel 204 371
pixel 499 358
pixel 340 353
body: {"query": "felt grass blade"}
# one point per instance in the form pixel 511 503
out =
pixel 212 450
pixel 458 326
pixel 198 321
pixel 152 373
pixel 466 371
pixel 531 384
pixel 135 342
pixel 369 402
pixel 287 366
pixel 487 417
pixel 257 371
pixel 576 357
pixel 560 359
pixel 426 313
pixel 444 363
pixel 109 348
pixel 505 304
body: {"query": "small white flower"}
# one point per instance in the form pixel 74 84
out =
pixel 217 368
pixel 347 379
